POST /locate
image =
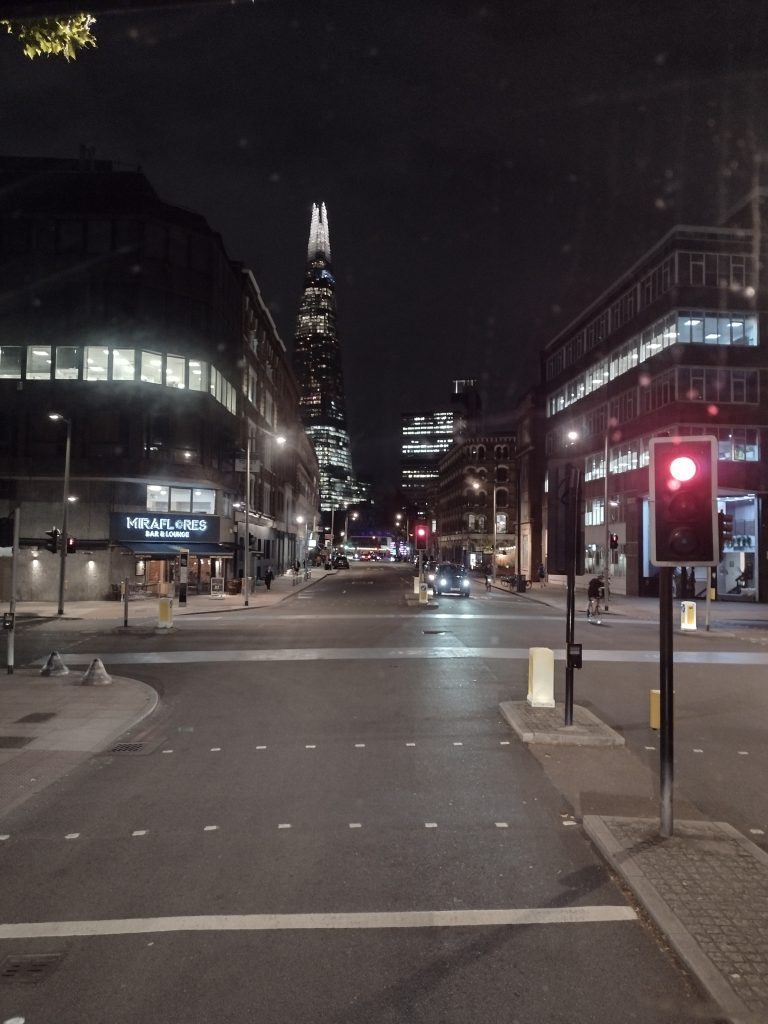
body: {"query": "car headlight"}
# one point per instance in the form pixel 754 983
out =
pixel 465 583
pixel 443 583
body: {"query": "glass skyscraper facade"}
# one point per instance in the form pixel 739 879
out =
pixel 317 363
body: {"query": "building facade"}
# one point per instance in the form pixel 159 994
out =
pixel 125 316
pixel 426 437
pixel 676 346
pixel 318 366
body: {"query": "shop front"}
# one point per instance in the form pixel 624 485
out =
pixel 157 542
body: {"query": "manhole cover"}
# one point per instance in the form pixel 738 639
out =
pixel 29 969
pixel 37 716
pixel 127 748
pixel 14 742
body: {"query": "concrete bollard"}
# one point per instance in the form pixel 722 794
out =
pixel 54 666
pixel 423 593
pixel 688 616
pixel 541 677
pixel 96 674
pixel 654 719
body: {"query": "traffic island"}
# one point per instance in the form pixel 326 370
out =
pixel 546 725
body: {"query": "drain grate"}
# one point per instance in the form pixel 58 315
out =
pixel 14 742
pixel 37 716
pixel 29 969
pixel 127 748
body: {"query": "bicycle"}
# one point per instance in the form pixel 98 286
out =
pixel 593 610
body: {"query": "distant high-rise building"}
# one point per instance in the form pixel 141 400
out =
pixel 426 437
pixel 317 362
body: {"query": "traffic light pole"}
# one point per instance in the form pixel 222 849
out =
pixel 666 731
pixel 63 538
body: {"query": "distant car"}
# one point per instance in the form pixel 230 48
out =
pixel 451 579
pixel 341 562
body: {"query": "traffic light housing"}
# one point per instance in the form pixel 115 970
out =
pixel 71 546
pixel 52 544
pixel 683 494
pixel 422 536
pixel 724 532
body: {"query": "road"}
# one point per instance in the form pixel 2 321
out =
pixel 327 819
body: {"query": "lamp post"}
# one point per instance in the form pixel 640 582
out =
pixel 607 584
pixel 280 440
pixel 63 539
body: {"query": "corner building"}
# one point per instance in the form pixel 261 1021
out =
pixel 125 315
pixel 677 345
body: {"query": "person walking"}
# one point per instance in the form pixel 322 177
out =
pixel 594 593
pixel 542 575
pixel 268 577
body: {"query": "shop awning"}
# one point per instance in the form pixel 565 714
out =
pixel 209 550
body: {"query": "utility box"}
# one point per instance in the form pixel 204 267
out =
pixel 541 677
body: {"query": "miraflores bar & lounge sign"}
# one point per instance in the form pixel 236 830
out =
pixel 168 527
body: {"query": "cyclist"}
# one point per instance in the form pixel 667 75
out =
pixel 594 593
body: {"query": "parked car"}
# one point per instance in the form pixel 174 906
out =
pixel 451 579
pixel 341 562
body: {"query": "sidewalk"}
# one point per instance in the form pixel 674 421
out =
pixel 50 725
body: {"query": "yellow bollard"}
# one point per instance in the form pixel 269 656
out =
pixel 541 677
pixel 655 714
pixel 165 613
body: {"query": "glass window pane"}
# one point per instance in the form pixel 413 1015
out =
pixel 174 371
pixel 157 498
pixel 10 361
pixel 123 364
pixel 96 363
pixel 204 500
pixel 152 367
pixel 39 362
pixel 67 359
pixel 181 499
pixel 711 332
pixel 198 375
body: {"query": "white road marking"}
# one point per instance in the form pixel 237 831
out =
pixel 167 751
pixel 430 824
pixel 744 753
pixel 3 838
pixel 263 747
pixel 72 835
pixel 458 743
pixel 210 828
pixel 650 748
pixel 355 824
pixel 503 743
pixel 410 744
pixel 359 744
pixel 310 746
pixel 140 832
pixel 215 750
pixel 698 750
pixel 284 825
pixel 502 824
pixel 757 831
pixel 277 922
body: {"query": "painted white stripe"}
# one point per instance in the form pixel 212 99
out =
pixel 281 922
pixel 403 654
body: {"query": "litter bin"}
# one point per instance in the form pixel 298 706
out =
pixel 521 584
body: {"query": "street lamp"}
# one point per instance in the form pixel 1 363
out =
pixel 63 539
pixel 279 439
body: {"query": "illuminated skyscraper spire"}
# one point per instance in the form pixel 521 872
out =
pixel 319 235
pixel 317 361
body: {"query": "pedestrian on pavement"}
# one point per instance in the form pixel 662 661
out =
pixel 268 577
pixel 542 575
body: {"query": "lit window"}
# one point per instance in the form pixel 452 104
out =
pixel 67 360
pixel 96 363
pixel 39 362
pixel 151 368
pixel 123 364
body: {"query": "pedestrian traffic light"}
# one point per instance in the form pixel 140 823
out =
pixel 724 532
pixel 683 494
pixel 614 541
pixel 422 536
pixel 52 544
pixel 6 532
pixel 71 546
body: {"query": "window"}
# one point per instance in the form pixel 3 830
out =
pixel 67 363
pixel 198 375
pixel 181 499
pixel 174 371
pixel 151 368
pixel 204 500
pixel 157 498
pixel 39 362
pixel 123 364
pixel 10 361
pixel 96 364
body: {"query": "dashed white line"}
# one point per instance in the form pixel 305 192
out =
pixel 744 753
pixel 140 832
pixel 210 828
pixel 215 750
pixel 72 835
pixel 310 746
pixel 262 747
pixel 167 751
pixel 410 744
pixel 284 825
pixel 757 831
pixel 3 838
pixel 359 744
pixel 355 824
pixel 503 743
pixel 458 743
pixel 698 750
pixel 430 824
pixel 501 824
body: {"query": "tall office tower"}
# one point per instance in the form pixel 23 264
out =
pixel 427 436
pixel 317 362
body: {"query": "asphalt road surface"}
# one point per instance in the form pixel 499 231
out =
pixel 327 820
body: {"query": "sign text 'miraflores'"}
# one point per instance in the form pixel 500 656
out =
pixel 162 525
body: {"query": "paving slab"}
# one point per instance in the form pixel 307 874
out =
pixel 547 725
pixel 706 888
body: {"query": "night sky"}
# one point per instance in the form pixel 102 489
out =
pixel 488 168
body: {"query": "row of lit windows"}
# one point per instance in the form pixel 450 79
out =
pixel 685 327
pixel 162 498
pixel 99 363
pixel 686 269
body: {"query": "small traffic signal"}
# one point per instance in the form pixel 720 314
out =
pixel 6 532
pixel 71 546
pixel 422 536
pixel 724 531
pixel 683 494
pixel 52 544
pixel 614 541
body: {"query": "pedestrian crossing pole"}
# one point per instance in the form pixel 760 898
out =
pixel 666 701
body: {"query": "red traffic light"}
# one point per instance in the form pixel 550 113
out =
pixel 422 536
pixel 683 498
